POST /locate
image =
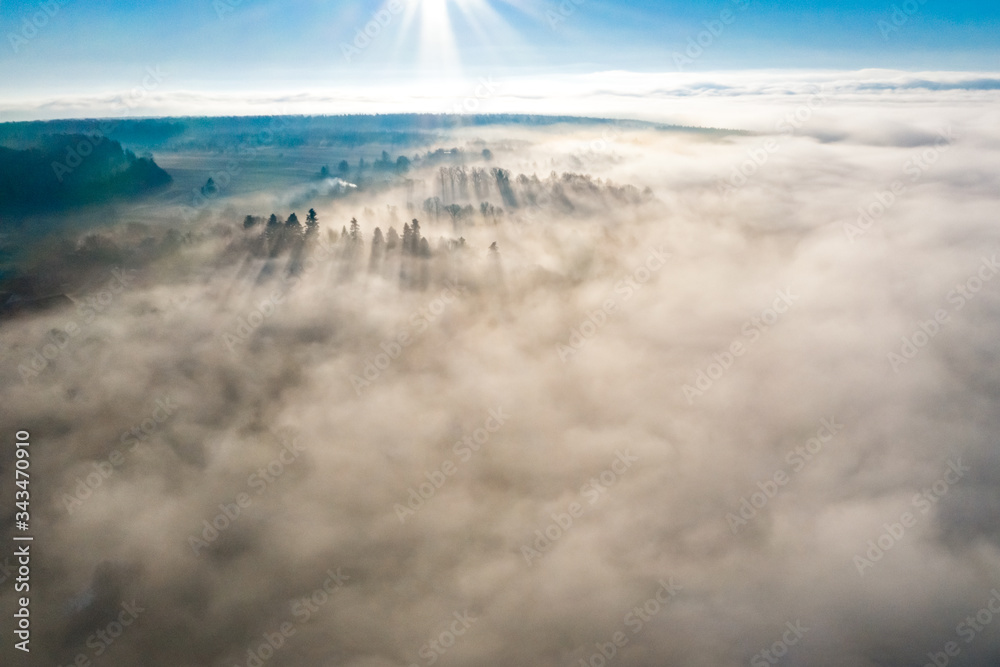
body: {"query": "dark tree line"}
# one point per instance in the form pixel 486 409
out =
pixel 384 164
pixel 73 169
pixel 277 236
pixel 460 187
pixel 406 257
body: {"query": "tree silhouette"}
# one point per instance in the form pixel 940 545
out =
pixel 496 270
pixel 311 219
pixel 209 187
pixel 433 206
pixel 405 268
pixel 455 211
pixel 276 234
pixel 378 250
pixel 407 238
pixel 273 225
pixel 344 168
pixel 293 221
pixel 423 265
pixel 414 237
pixel 250 221
pixel 502 177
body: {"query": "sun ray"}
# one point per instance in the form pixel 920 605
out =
pixel 489 27
pixel 438 48
pixel 448 36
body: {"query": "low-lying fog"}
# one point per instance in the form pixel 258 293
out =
pixel 693 408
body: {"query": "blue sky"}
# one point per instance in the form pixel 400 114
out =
pixel 94 46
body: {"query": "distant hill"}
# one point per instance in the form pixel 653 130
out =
pixel 219 132
pixel 72 169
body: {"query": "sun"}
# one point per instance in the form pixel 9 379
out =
pixel 444 26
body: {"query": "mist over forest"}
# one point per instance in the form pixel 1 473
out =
pixel 409 390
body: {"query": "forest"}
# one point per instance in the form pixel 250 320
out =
pixel 72 169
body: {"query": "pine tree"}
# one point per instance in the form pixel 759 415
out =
pixel 415 237
pixel 407 239
pixel 378 250
pixel 273 225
